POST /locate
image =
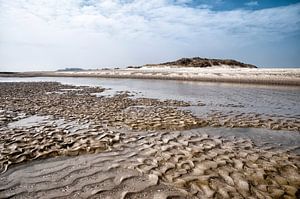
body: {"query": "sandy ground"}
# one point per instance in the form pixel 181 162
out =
pixel 59 141
pixel 212 74
pixel 187 164
pixel 278 76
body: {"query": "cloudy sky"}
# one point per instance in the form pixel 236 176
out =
pixel 52 34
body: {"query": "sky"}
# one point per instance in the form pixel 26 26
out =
pixel 55 34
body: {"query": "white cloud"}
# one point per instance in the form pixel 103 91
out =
pixel 252 3
pixel 114 32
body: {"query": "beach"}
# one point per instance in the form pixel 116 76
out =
pixel 62 140
pixel 273 76
pixel 156 99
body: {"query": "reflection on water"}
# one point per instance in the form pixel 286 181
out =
pixel 275 101
pixel 28 122
pixel 284 140
pixel 278 101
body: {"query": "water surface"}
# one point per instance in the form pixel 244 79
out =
pixel 275 101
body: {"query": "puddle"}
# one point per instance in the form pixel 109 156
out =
pixel 262 138
pixel 31 121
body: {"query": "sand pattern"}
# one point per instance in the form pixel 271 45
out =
pixel 251 120
pixel 61 141
pixel 186 164
pixel 71 102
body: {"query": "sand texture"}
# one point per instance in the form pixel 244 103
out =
pixel 159 165
pixel 223 73
pixel 62 141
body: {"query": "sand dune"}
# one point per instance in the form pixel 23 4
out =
pixel 212 74
pixel 220 73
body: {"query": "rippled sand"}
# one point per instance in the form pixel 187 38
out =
pixel 158 165
pixel 63 142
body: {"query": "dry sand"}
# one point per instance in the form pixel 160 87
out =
pixel 213 74
pixel 277 76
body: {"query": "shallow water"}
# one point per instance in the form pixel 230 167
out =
pixel 263 138
pixel 28 121
pixel 274 101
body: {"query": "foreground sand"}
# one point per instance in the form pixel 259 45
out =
pixel 161 165
pixel 61 141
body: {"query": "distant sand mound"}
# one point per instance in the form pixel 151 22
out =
pixel 203 62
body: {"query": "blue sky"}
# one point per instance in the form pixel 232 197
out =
pixel 53 34
pixel 225 5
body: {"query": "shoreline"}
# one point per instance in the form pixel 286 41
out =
pixel 287 77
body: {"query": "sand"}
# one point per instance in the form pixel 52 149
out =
pixel 60 141
pixel 277 76
pixel 215 74
pixel 160 165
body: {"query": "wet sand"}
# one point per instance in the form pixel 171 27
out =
pixel 63 141
pixel 158 165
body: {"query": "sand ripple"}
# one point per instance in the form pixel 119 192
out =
pixel 120 147
pixel 191 164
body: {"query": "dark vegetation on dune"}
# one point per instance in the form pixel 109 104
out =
pixel 204 62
